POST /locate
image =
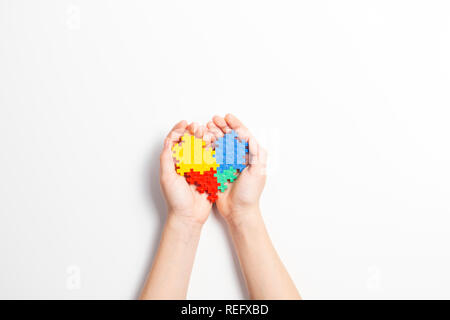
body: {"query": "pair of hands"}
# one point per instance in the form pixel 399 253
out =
pixel 239 199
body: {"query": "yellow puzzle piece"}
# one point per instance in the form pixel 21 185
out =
pixel 191 153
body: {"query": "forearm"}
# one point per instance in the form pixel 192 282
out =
pixel 265 274
pixel 172 265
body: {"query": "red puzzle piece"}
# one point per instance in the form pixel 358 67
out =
pixel 205 182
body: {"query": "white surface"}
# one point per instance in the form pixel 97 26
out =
pixel 359 208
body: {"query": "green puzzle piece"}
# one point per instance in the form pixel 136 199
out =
pixel 223 176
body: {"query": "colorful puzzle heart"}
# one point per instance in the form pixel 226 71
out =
pixel 207 168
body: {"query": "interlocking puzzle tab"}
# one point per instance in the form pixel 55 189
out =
pixel 210 170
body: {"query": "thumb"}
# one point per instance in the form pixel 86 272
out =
pixel 166 160
pixel 257 157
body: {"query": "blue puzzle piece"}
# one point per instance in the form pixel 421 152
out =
pixel 230 152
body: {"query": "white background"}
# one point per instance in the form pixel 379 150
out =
pixel 351 98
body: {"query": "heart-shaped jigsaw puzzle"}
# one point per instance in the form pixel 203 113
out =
pixel 210 168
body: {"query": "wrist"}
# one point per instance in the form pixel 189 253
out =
pixel 183 224
pixel 243 217
pixel 190 216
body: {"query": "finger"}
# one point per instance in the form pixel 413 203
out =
pixel 166 160
pixel 214 130
pixel 180 125
pixel 257 157
pixel 200 131
pixel 253 151
pixel 221 124
pixel 208 137
pixel 177 132
pixel 167 165
pixel 192 128
pixel 235 124
pixel 262 157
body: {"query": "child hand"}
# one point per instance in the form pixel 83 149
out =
pixel 182 199
pixel 242 196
